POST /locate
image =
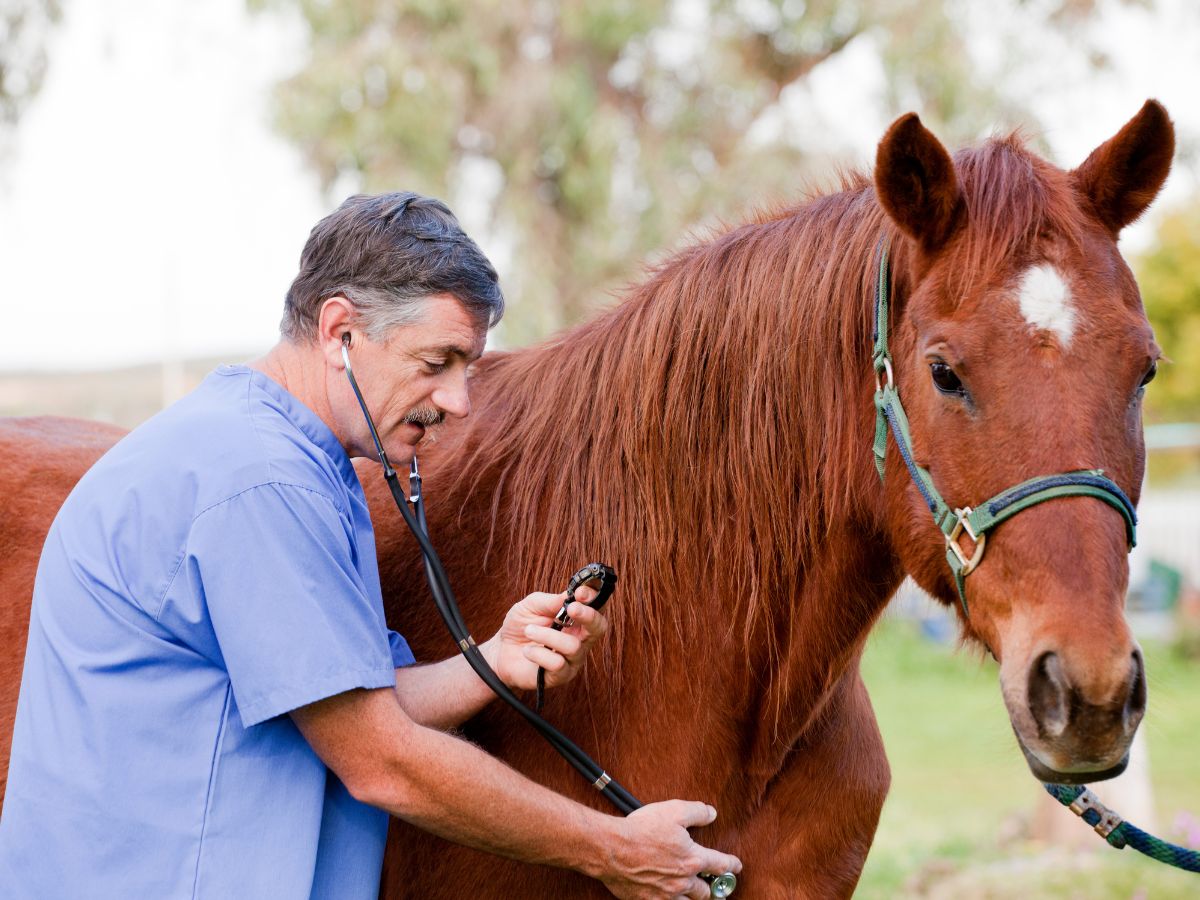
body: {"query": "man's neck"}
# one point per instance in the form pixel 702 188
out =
pixel 298 371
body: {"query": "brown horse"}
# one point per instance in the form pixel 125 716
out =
pixel 711 438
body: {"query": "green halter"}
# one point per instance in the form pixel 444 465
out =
pixel 889 413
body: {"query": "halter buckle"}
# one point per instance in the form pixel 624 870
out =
pixel 960 525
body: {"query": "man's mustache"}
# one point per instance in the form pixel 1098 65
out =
pixel 425 417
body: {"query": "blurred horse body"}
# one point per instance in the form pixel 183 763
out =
pixel 711 439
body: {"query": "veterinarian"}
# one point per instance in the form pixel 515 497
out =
pixel 212 704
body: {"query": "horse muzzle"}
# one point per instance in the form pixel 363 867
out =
pixel 1076 726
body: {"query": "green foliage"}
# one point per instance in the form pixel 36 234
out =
pixel 1169 277
pixel 614 125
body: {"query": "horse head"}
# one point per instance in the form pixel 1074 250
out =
pixel 1021 349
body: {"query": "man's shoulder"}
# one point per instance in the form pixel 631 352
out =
pixel 224 438
pixel 205 445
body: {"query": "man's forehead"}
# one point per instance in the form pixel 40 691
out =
pixel 446 328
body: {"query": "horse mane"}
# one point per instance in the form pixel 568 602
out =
pixel 707 434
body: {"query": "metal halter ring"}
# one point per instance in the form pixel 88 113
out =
pixel 961 524
pixel 886 370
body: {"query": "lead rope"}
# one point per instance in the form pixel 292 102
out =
pixel 720 886
pixel 1119 833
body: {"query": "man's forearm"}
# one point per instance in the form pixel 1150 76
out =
pixel 446 694
pixel 442 695
pixel 450 787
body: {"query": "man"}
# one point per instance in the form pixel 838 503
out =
pixel 212 704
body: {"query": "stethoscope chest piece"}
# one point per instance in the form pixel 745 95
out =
pixel 723 885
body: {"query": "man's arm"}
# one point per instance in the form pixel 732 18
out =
pixel 453 789
pixel 443 695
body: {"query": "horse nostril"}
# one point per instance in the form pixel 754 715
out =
pixel 1135 706
pixel 1048 696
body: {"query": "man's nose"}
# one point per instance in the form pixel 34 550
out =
pixel 453 401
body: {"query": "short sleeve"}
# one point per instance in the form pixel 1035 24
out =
pixel 291 613
pixel 401 655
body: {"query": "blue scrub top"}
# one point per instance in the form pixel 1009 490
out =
pixel 212 571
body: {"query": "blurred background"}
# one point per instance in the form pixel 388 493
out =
pixel 161 163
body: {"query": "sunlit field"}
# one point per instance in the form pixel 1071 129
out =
pixel 957 820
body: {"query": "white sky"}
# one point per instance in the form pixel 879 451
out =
pixel 149 212
pixel 149 209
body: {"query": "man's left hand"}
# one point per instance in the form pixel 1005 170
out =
pixel 526 641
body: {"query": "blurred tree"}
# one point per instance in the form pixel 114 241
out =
pixel 1169 276
pixel 597 131
pixel 24 28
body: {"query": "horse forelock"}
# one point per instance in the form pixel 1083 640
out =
pixel 1014 199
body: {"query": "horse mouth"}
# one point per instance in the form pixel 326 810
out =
pixel 1044 773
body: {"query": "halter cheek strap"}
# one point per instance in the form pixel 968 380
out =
pixel 974 522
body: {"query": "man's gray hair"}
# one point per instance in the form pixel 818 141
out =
pixel 386 254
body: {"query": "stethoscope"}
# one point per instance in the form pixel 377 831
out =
pixel 443 597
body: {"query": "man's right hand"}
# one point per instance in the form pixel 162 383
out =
pixel 656 858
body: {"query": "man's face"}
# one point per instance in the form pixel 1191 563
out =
pixel 412 380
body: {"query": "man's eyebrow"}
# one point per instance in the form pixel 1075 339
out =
pixel 467 353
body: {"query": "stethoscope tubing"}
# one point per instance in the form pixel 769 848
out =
pixel 447 606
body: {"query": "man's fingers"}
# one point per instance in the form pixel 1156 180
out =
pixel 590 621
pixel 692 813
pixel 586 594
pixel 714 862
pixel 542 604
pixel 698 890
pixel 545 657
pixel 566 644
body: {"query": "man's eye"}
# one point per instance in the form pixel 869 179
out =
pixel 435 366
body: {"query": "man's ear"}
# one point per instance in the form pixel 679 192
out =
pixel 333 327
pixel 1123 175
pixel 916 184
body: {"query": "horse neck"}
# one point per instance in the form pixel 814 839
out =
pixel 714 430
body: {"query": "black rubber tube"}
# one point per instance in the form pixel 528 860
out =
pixel 443 596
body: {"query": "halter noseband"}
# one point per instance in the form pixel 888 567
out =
pixel 953 522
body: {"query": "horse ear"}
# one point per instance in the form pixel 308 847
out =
pixel 915 182
pixel 1125 173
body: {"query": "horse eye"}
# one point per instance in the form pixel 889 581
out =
pixel 1149 376
pixel 945 380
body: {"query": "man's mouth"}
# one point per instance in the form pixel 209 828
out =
pixel 421 420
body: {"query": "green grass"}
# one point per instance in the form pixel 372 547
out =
pixel 955 823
